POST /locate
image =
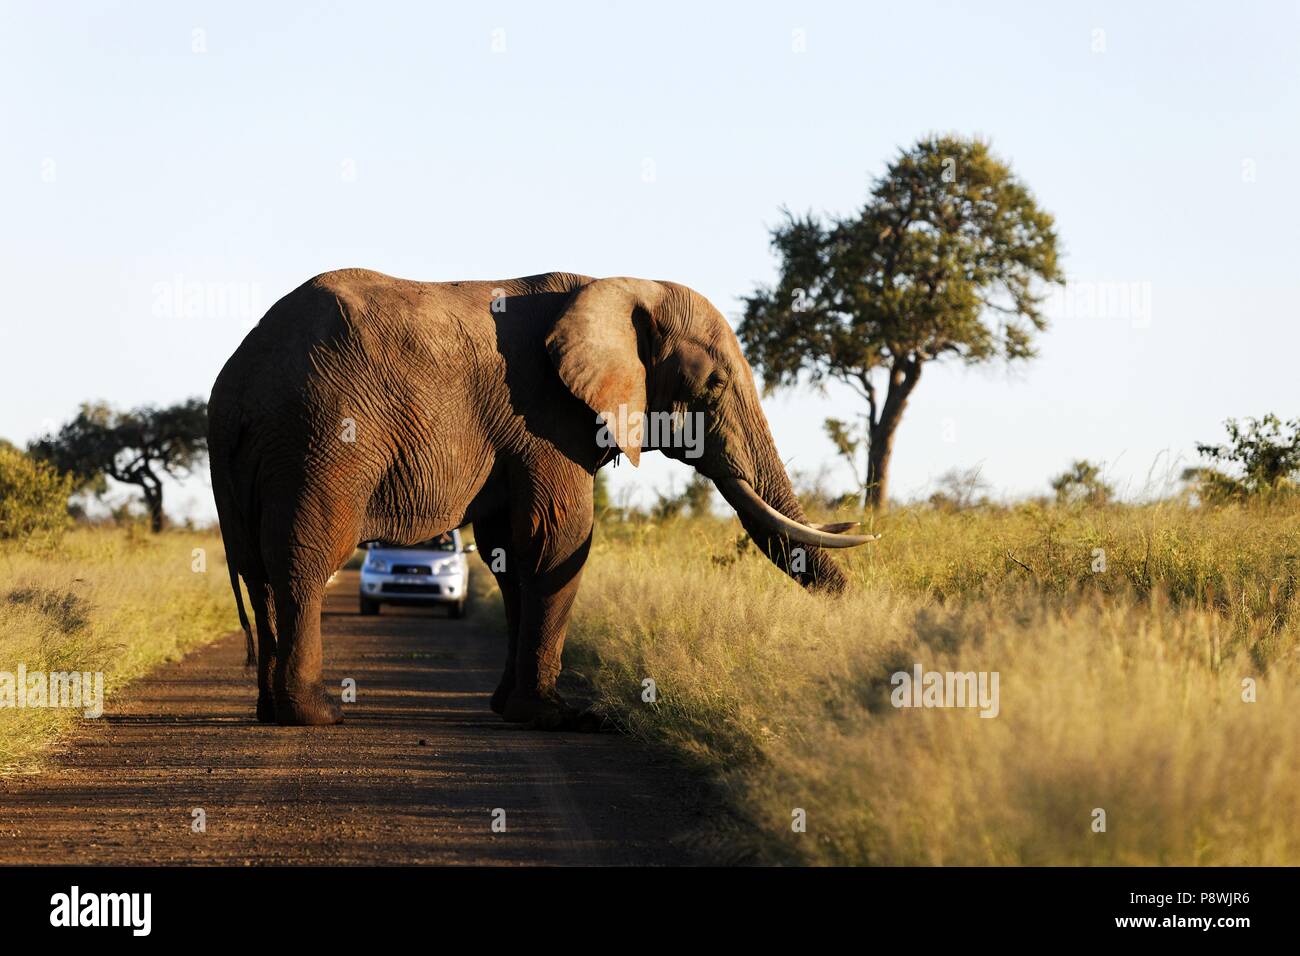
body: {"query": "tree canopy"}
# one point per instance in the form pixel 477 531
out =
pixel 948 258
pixel 137 447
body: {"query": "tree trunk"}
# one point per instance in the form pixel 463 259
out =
pixel 878 454
pixel 902 379
pixel 153 501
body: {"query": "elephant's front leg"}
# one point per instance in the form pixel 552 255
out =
pixel 548 584
pixel 492 535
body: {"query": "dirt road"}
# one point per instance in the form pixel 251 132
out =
pixel 412 776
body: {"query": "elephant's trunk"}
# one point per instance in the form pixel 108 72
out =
pixel 774 519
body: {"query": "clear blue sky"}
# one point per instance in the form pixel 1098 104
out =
pixel 298 138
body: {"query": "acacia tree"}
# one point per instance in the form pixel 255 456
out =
pixel 136 447
pixel 948 258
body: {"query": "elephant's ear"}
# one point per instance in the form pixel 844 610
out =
pixel 596 345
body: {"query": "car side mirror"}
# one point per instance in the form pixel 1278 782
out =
pixel 470 548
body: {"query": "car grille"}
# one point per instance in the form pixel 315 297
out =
pixel 411 569
pixel 390 588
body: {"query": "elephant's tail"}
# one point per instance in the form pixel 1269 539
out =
pixel 226 528
pixel 243 615
pixel 228 516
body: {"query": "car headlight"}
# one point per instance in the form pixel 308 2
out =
pixel 373 564
pixel 447 567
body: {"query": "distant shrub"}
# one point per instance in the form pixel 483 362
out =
pixel 960 489
pixel 1265 453
pixel 33 495
pixel 1082 484
pixel 695 500
pixel 813 489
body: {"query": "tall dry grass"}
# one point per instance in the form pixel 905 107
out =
pixel 1121 689
pixel 117 601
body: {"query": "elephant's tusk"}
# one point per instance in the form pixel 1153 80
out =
pixel 741 496
pixel 837 527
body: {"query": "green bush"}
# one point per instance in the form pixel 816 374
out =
pixel 33 496
pixel 1266 453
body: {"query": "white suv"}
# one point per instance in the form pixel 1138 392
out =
pixel 431 572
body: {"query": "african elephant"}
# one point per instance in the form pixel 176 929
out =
pixel 367 407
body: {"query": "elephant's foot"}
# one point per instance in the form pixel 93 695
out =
pixel 266 708
pixel 500 696
pixel 310 708
pixel 548 712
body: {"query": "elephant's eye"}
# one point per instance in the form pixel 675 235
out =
pixel 716 383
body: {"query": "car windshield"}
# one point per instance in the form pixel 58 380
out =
pixel 444 542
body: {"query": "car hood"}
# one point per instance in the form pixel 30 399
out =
pixel 410 556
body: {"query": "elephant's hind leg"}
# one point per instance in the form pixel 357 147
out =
pixel 309 547
pixel 263 606
pixel 300 695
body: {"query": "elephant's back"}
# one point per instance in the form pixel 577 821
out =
pixel 357 335
pixel 329 316
pixel 368 298
pixel 362 312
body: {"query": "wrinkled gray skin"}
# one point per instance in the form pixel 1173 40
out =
pixel 461 412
